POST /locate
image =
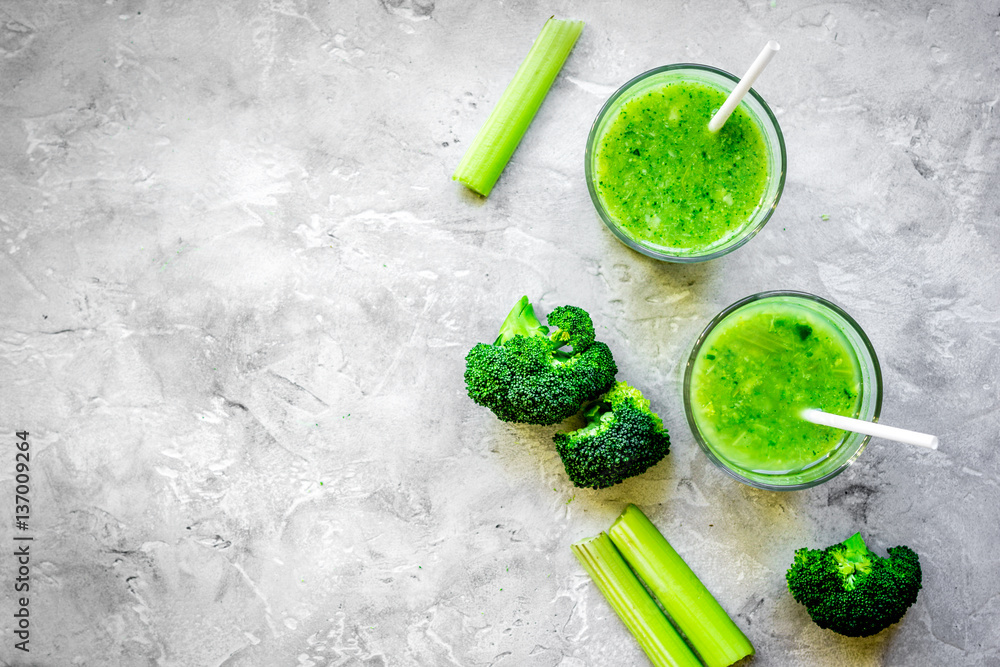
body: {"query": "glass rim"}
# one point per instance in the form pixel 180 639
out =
pixel 868 350
pixel 747 233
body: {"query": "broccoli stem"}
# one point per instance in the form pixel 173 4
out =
pixel 855 559
pixel 490 151
pixel 632 603
pixel 520 321
pixel 856 546
pixel 703 621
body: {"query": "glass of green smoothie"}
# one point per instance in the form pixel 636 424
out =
pixel 753 370
pixel 668 187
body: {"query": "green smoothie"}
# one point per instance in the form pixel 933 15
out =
pixel 755 373
pixel 667 181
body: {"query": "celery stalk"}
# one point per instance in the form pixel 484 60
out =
pixel 632 603
pixel 489 152
pixel 703 621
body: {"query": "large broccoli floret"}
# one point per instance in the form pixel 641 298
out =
pixel 622 438
pixel 853 591
pixel 525 377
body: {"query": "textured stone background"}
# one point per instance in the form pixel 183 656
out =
pixel 238 285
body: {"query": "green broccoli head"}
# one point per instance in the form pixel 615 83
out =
pixel 622 438
pixel 850 590
pixel 525 377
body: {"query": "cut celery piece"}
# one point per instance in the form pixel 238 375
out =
pixel 707 626
pixel 638 611
pixel 490 151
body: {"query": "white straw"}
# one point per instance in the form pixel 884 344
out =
pixel 871 428
pixel 733 101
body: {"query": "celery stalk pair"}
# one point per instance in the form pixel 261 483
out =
pixel 634 541
pixel 490 151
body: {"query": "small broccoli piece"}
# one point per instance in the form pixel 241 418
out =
pixel 573 327
pixel 622 438
pixel 850 590
pixel 525 377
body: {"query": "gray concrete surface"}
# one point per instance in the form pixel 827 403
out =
pixel 238 285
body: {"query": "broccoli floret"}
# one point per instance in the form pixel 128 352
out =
pixel 622 438
pixel 573 327
pixel 853 591
pixel 525 377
